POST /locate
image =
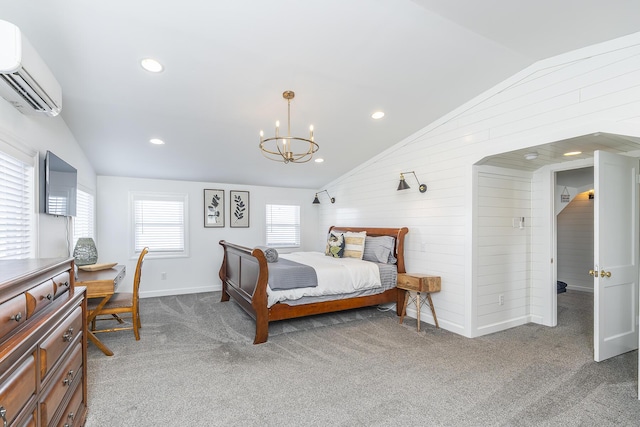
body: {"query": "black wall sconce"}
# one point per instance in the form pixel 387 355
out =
pixel 404 186
pixel 316 201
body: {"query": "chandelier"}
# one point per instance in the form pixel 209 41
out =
pixel 287 148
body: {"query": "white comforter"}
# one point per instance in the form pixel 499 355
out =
pixel 335 276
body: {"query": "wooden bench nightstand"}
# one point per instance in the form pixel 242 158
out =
pixel 420 284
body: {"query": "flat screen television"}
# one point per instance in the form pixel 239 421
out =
pixel 61 186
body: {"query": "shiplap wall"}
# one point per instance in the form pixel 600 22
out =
pixel 504 199
pixel 590 90
pixel 575 243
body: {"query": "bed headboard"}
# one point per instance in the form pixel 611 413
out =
pixel 397 233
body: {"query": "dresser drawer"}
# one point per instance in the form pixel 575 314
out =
pixel 70 416
pixel 59 340
pixel 62 380
pixel 39 297
pixel 17 388
pixel 419 282
pixel 30 421
pixel 61 284
pixel 12 314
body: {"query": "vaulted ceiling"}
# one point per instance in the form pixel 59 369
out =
pixel 228 62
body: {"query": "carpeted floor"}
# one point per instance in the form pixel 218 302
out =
pixel 195 365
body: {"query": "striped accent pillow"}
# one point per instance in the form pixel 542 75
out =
pixel 354 244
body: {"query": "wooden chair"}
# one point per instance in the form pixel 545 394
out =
pixel 122 303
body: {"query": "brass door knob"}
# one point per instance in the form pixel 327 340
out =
pixel 592 273
pixel 605 273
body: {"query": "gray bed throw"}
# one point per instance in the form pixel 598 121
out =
pixel 287 274
pixel 271 254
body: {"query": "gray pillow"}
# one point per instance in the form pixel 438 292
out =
pixel 379 249
pixel 271 254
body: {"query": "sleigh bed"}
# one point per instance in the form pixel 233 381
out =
pixel 245 277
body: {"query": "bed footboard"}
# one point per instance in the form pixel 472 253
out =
pixel 244 277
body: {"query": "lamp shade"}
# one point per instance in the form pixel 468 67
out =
pixel 316 201
pixel 403 184
pixel 85 252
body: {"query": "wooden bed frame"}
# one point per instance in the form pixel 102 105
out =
pixel 244 274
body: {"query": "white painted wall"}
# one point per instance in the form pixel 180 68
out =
pixel 504 200
pixel 40 133
pixel 575 243
pixel 199 271
pixel 592 90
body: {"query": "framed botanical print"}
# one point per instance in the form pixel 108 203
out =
pixel 213 208
pixel 239 209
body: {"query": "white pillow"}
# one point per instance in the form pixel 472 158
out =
pixel 354 244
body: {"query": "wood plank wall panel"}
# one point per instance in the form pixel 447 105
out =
pixel 502 196
pixel 576 90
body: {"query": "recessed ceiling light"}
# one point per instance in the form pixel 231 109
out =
pixel 531 156
pixel 151 65
pixel 377 115
pixel 319 160
pixel 572 153
pixel 156 141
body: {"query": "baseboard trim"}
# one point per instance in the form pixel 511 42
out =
pixel 502 326
pixel 179 291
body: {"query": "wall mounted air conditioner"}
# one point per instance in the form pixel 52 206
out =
pixel 25 80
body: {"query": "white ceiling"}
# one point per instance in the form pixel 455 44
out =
pixel 227 64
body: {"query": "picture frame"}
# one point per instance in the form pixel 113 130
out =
pixel 239 209
pixel 213 208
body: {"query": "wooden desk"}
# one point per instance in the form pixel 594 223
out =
pixel 419 283
pixel 100 284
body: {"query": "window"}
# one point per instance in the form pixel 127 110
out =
pixel 283 225
pixel 17 231
pixel 83 222
pixel 159 223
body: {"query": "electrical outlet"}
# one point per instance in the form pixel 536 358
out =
pixel 500 299
pixel 163 276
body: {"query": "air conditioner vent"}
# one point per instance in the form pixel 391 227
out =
pixel 35 91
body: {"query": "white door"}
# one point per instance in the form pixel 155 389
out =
pixel 616 255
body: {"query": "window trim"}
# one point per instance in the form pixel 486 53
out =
pixel 149 195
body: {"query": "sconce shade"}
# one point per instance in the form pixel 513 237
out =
pixel 403 184
pixel 85 252
pixel 316 201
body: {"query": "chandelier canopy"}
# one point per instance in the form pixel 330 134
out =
pixel 287 148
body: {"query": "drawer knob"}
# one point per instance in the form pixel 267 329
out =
pixel 66 381
pixel 3 414
pixel 68 336
pixel 65 284
pixel 16 317
pixel 70 416
pixel 48 296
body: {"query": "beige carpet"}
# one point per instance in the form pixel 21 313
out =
pixel 196 366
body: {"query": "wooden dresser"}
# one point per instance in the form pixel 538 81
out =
pixel 43 345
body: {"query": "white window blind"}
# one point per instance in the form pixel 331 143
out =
pixel 283 225
pixel 16 208
pixel 83 225
pixel 159 223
